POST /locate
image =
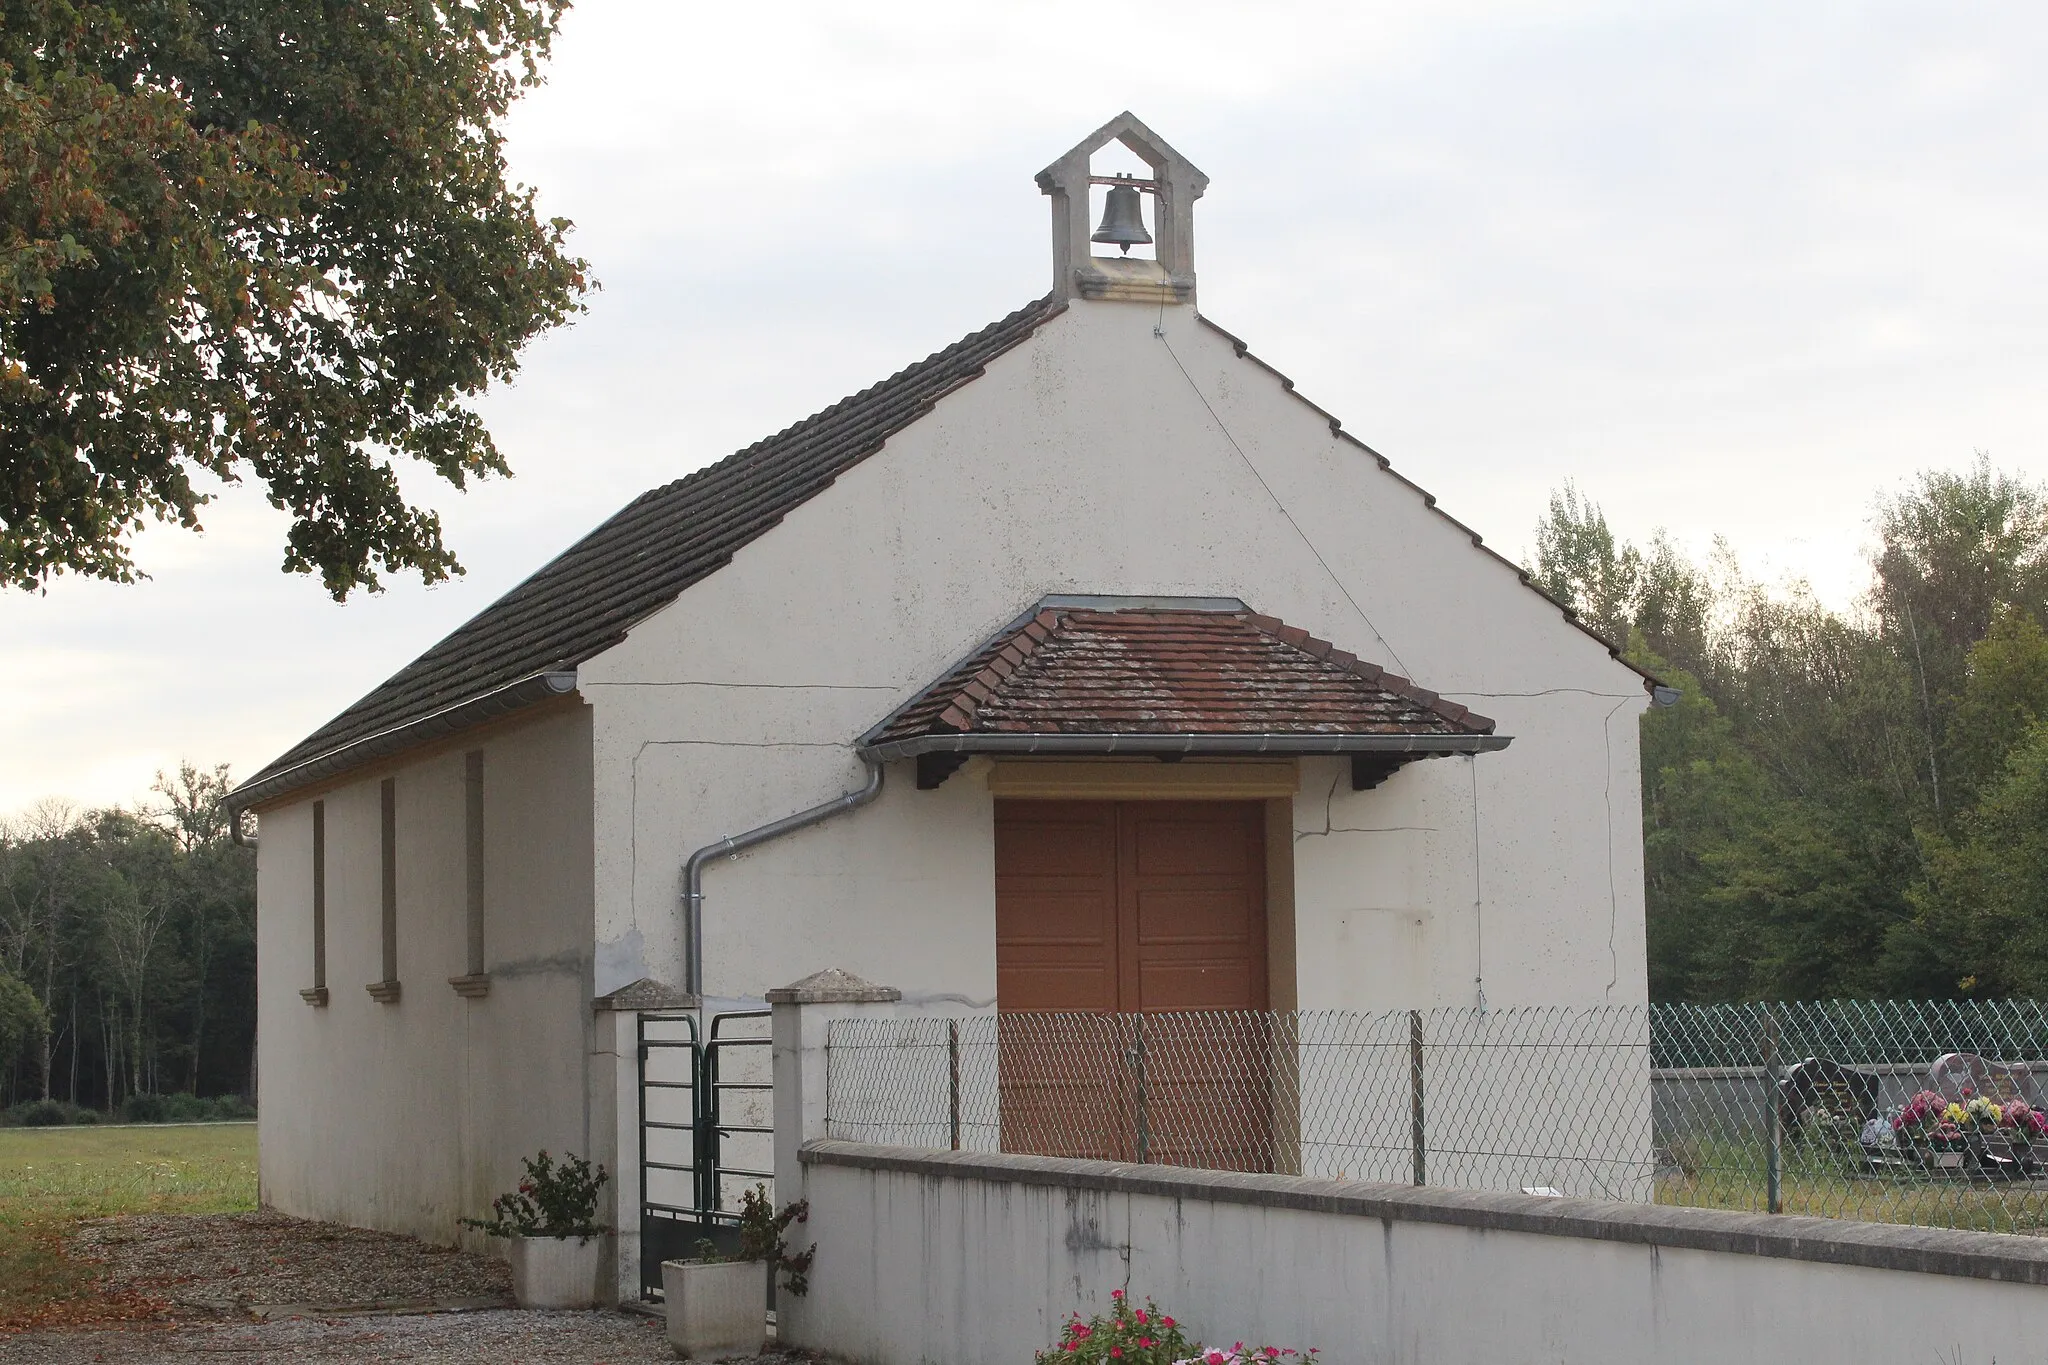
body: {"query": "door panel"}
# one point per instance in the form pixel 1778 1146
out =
pixel 1133 908
pixel 1056 912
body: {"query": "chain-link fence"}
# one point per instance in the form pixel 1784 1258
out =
pixel 1918 1113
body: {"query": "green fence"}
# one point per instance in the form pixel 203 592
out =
pixel 1889 1111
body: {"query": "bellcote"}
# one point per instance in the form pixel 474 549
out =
pixel 1171 193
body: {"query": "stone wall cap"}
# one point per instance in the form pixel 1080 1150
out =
pixel 1835 1241
pixel 833 986
pixel 645 994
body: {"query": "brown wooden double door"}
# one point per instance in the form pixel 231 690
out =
pixel 1114 920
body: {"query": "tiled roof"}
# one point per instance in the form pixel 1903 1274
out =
pixel 1156 672
pixel 585 599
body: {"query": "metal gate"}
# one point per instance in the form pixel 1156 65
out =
pixel 706 1132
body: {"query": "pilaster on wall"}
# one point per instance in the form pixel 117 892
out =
pixel 803 1014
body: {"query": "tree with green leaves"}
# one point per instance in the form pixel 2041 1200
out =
pixel 1839 804
pixel 271 240
pixel 22 1019
pixel 1954 549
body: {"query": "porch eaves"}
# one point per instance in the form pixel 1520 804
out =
pixel 1171 681
pixel 1420 746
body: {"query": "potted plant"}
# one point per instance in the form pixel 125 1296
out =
pixel 557 1244
pixel 717 1304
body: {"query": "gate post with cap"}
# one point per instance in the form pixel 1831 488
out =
pixel 803 1013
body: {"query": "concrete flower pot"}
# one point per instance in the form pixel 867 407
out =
pixel 557 1272
pixel 716 1309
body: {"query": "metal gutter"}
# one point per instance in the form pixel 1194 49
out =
pixel 513 696
pixel 693 870
pixel 1295 743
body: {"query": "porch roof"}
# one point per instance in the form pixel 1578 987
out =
pixel 1215 679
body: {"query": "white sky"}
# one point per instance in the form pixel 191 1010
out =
pixel 1736 268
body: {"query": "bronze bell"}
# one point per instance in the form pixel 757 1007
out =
pixel 1123 221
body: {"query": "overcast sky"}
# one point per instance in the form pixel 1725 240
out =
pixel 1736 269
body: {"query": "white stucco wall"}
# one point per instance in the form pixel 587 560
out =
pixel 410 1115
pixel 915 1268
pixel 1086 461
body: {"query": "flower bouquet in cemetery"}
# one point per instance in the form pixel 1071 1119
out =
pixel 2027 1130
pixel 1827 1129
pixel 1931 1127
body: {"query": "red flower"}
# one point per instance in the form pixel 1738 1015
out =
pixel 1165 1322
pixel 1144 1342
pixel 1116 1350
pixel 1116 1293
pixel 1141 1316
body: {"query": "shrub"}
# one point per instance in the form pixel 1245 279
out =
pixel 1125 1335
pixel 552 1201
pixel 50 1114
pixel 141 1108
pixel 763 1238
pixel 233 1109
pixel 183 1108
pixel 1146 1336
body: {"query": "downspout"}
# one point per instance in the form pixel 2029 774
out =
pixel 235 836
pixel 693 870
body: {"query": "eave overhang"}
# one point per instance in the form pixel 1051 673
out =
pixel 1185 745
pixel 448 720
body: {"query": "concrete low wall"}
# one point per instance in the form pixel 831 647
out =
pixel 975 1259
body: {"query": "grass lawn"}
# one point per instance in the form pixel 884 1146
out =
pixel 1840 1184
pixel 50 1177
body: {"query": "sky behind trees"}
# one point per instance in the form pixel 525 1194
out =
pixel 1735 269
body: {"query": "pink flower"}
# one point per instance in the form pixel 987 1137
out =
pixel 1214 1358
pixel 1116 1351
pixel 1116 1293
pixel 1141 1316
pixel 1144 1342
pixel 1166 1322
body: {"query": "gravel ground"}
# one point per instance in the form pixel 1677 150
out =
pixel 496 1337
pixel 209 1264
pixel 262 1287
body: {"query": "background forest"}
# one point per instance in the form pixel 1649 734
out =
pixel 1841 804
pixel 128 951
